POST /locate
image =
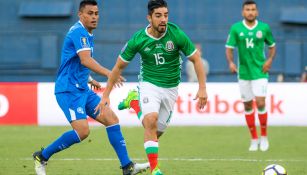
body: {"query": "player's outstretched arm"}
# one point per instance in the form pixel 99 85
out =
pixel 92 64
pixel 201 76
pixel 113 77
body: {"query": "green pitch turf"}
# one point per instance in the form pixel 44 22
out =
pixel 183 151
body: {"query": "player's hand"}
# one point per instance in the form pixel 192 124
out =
pixel 233 67
pixel 267 66
pixel 119 82
pixel 202 98
pixel 104 102
pixel 95 85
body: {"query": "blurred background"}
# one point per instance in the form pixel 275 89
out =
pixel 32 33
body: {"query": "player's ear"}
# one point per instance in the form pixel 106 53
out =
pixel 257 12
pixel 149 18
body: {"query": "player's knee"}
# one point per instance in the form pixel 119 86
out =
pixel 83 132
pixel 110 119
pixel 248 106
pixel 150 122
pixel 261 104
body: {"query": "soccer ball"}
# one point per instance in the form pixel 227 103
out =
pixel 274 169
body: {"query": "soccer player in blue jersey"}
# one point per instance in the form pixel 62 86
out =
pixel 77 100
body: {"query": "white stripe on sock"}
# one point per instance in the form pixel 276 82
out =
pixel 151 144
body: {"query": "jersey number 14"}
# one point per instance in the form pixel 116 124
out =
pixel 249 43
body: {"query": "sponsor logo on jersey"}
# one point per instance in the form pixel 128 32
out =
pixel 146 49
pixel 259 34
pixel 169 46
pixel 241 34
pixel 159 46
pixel 84 42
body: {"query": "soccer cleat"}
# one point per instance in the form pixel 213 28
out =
pixel 156 171
pixel 264 143
pixel 135 168
pixel 254 145
pixel 140 167
pixel 132 95
pixel 40 163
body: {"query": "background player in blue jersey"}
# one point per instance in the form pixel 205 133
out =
pixel 77 100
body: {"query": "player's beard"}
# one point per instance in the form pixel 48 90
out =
pixel 250 19
pixel 161 29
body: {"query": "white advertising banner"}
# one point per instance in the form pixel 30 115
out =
pixel 286 105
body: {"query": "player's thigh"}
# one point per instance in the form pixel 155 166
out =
pixel 167 107
pixel 92 101
pixel 246 90
pixel 107 117
pixel 73 105
pixel 150 99
pixel 259 87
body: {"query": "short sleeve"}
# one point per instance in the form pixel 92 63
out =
pixel 129 50
pixel 231 39
pixel 269 39
pixel 80 41
pixel 185 44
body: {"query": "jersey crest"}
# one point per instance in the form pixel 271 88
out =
pixel 169 46
pixel 259 34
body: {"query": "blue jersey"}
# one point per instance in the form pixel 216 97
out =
pixel 72 75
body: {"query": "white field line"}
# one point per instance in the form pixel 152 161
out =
pixel 177 159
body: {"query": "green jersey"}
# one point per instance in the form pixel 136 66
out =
pixel 250 42
pixel 160 57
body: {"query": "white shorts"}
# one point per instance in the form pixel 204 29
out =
pixel 159 100
pixel 250 89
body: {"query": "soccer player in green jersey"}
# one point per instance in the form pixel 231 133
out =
pixel 250 37
pixel 159 45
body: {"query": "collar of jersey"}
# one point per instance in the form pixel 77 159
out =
pixel 84 27
pixel 153 36
pixel 250 28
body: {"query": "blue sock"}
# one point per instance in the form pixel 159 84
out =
pixel 66 140
pixel 118 142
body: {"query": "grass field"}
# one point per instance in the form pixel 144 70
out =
pixel 183 151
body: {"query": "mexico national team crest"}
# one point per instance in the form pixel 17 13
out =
pixel 259 34
pixel 84 42
pixel 169 46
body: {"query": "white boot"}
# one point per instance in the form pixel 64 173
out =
pixel 140 167
pixel 254 145
pixel 264 143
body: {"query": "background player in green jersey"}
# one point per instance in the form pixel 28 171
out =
pixel 250 37
pixel 159 45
